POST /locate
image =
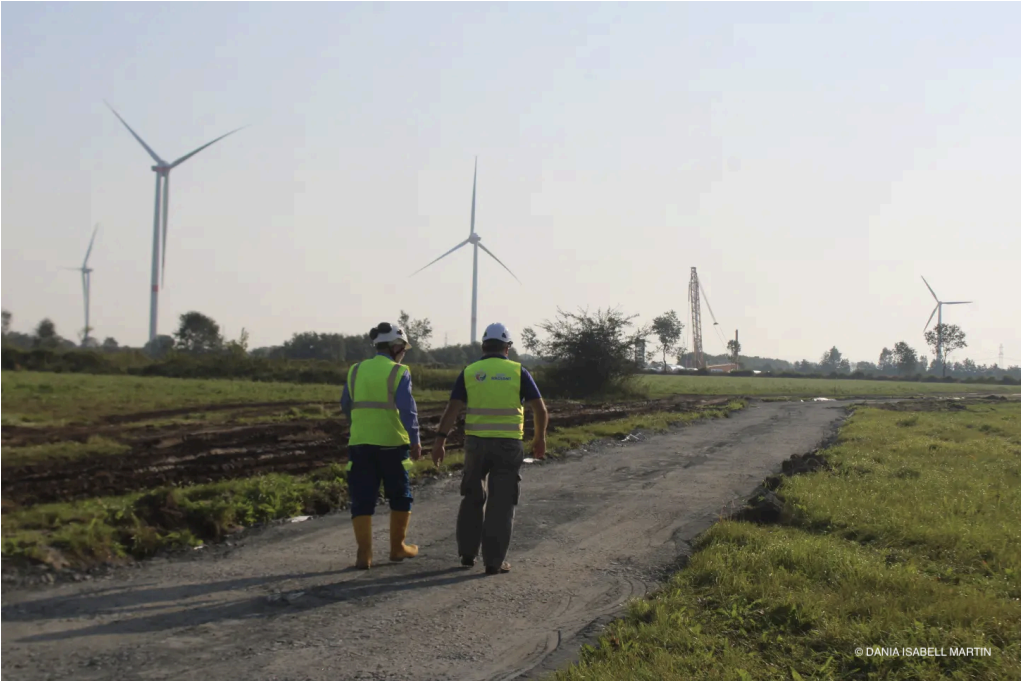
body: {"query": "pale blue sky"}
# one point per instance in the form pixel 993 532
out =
pixel 812 160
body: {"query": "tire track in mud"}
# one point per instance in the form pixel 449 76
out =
pixel 183 455
pixel 284 603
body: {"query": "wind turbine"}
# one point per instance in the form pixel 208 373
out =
pixel 474 239
pixel 163 170
pixel 939 310
pixel 86 281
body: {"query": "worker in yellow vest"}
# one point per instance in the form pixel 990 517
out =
pixel 494 390
pixel 384 440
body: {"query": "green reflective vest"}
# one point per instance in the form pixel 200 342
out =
pixel 375 417
pixel 493 399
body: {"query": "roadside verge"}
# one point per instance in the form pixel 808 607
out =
pixel 894 554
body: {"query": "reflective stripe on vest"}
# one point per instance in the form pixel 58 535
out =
pixel 493 399
pixel 375 417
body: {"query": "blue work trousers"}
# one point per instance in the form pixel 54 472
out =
pixel 373 465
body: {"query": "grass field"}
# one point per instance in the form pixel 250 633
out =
pixel 51 399
pixel 660 386
pixel 98 530
pixel 912 540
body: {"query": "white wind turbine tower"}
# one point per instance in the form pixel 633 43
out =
pixel 939 310
pixel 86 281
pixel 163 171
pixel 476 241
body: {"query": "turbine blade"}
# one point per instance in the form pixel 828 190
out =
pixel 931 316
pixel 163 246
pixel 197 151
pixel 462 243
pixel 483 248
pixel 473 199
pixel 955 302
pixel 931 289
pixel 85 263
pixel 138 139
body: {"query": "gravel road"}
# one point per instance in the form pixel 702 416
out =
pixel 592 531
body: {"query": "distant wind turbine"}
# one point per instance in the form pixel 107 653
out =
pixel 476 241
pixel 163 171
pixel 939 311
pixel 86 282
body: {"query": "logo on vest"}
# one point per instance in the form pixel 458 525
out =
pixel 502 377
pixel 481 376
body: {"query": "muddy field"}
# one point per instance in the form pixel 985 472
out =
pixel 186 454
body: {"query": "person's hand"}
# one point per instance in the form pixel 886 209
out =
pixel 539 448
pixel 438 452
pixel 415 452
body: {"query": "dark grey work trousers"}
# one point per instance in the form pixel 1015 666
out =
pixel 489 526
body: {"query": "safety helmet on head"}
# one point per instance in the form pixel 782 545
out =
pixel 498 332
pixel 389 333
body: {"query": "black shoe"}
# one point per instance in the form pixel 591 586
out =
pixel 467 561
pixel 495 570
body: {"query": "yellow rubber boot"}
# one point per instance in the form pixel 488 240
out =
pixel 400 550
pixel 362 529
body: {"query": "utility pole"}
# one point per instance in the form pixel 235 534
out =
pixel 696 319
pixel 736 346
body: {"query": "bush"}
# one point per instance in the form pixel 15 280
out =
pixel 591 354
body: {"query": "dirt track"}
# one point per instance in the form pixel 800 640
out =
pixel 187 454
pixel 591 532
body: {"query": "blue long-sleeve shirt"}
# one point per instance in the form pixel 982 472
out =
pixel 403 400
pixel 528 388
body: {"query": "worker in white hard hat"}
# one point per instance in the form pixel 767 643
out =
pixel 494 390
pixel 384 440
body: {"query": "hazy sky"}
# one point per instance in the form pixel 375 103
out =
pixel 811 160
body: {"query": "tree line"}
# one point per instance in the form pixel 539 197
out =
pixel 578 354
pixel 581 354
pixel 199 334
pixel 899 360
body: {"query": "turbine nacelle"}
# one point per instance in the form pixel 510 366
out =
pixel 474 239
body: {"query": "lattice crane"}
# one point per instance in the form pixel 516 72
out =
pixel 695 295
pixel 696 320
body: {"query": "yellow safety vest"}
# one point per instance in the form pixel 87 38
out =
pixel 375 417
pixel 493 399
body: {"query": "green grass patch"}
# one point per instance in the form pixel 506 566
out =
pixel 661 386
pixel 94 446
pixel 138 525
pixel 562 439
pixel 99 530
pixel 911 540
pixel 52 399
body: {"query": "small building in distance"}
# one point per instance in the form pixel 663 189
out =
pixel 729 367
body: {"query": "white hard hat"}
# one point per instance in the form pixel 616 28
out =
pixel 497 332
pixel 386 332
